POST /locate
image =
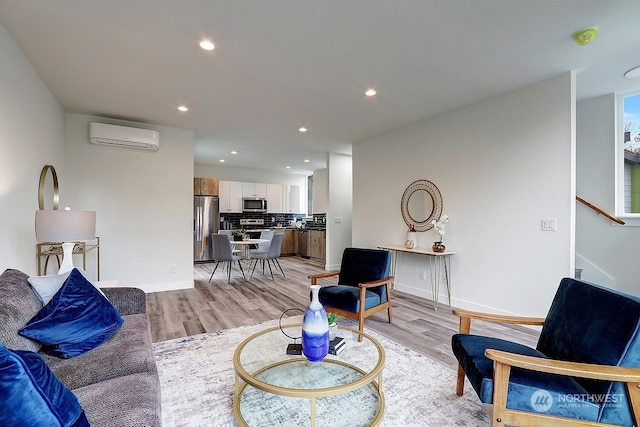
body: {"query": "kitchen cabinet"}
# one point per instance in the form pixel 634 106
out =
pixel 254 189
pixel 317 244
pixel 291 199
pixel 230 196
pixel 320 191
pixel 281 198
pixel 205 186
pixel 274 198
pixel 289 242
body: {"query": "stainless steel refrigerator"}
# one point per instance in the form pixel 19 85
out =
pixel 206 220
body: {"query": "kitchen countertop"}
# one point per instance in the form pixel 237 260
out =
pixel 302 229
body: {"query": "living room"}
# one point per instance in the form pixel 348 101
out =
pixel 502 164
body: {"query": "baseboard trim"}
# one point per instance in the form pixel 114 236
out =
pixel 166 286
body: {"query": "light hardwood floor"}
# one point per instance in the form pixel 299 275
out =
pixel 215 305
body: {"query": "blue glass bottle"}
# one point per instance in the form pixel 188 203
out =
pixel 315 329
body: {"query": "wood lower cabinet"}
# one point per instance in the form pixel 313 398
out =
pixel 289 242
pixel 317 244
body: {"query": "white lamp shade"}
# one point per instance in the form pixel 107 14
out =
pixel 65 226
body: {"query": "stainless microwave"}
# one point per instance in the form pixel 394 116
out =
pixel 254 204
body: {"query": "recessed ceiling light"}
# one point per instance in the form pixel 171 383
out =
pixel 370 92
pixel 183 108
pixel 288 167
pixel 207 44
pixel 633 73
pixel 302 129
pixel 234 152
pixel 221 160
pixel 307 160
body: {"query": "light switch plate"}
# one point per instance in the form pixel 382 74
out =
pixel 548 224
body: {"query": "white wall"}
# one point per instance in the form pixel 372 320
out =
pixel 605 250
pixel 143 202
pixel 501 165
pixel 31 136
pixel 339 208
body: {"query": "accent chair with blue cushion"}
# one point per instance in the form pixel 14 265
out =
pixel 363 288
pixel 585 369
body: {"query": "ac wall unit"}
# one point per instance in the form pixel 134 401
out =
pixel 123 136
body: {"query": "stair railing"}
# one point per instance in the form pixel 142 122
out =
pixel 600 211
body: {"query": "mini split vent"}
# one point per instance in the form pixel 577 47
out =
pixel 125 137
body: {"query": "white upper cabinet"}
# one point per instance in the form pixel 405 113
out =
pixel 254 189
pixel 230 196
pixel 291 199
pixel 281 198
pixel 320 191
pixel 274 198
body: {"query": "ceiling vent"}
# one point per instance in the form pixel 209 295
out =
pixel 125 137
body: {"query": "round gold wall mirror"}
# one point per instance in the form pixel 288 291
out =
pixel 48 188
pixel 421 203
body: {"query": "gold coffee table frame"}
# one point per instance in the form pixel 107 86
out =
pixel 373 377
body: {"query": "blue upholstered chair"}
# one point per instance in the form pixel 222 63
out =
pixel 363 288
pixel 585 369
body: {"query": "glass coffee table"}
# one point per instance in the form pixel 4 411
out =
pixel 273 388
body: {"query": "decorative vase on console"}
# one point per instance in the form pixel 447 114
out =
pixel 412 238
pixel 438 247
pixel 439 227
pixel 315 329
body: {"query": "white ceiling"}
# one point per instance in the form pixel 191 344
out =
pixel 281 64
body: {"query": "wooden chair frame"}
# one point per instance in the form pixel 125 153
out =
pixel 362 313
pixel 503 361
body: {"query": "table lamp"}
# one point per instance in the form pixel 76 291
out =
pixel 65 226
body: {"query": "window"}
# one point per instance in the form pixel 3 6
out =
pixel 631 152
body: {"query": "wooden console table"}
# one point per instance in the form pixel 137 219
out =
pixel 47 249
pixel 439 267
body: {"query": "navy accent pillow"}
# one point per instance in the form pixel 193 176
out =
pixel 77 319
pixel 31 395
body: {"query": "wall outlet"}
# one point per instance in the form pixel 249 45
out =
pixel 173 269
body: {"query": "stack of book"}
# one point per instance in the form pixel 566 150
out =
pixel 336 345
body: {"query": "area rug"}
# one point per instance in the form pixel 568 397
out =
pixel 197 384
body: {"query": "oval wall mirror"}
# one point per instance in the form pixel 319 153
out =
pixel 421 203
pixel 48 188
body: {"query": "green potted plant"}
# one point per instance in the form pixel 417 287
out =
pixel 237 235
pixel 333 326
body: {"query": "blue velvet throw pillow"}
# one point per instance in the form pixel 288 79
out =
pixel 77 319
pixel 31 395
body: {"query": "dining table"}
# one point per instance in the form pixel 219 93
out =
pixel 244 245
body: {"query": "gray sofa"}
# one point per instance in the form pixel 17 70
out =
pixel 116 383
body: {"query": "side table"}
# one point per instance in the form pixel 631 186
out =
pixel 48 249
pixel 439 267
